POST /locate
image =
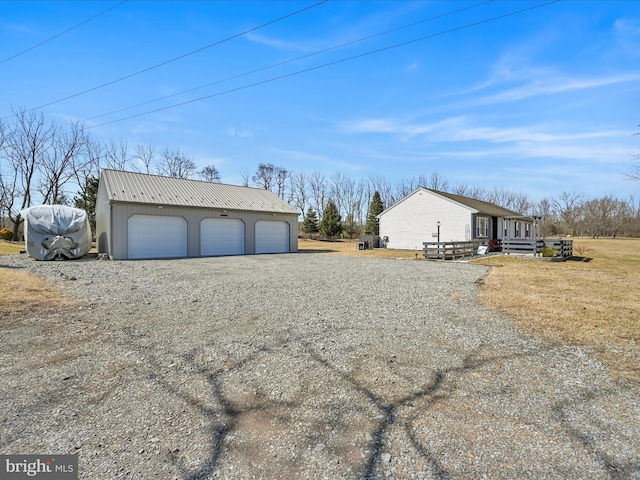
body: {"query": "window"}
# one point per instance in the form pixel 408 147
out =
pixel 518 229
pixel 505 226
pixel 482 227
pixel 527 230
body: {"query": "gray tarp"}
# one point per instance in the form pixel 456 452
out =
pixel 55 230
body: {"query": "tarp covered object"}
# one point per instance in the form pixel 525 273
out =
pixel 55 230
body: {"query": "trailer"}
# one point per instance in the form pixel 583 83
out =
pixel 56 232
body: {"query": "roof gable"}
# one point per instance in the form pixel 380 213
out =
pixel 131 187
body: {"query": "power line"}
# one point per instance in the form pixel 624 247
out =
pixel 284 62
pixel 62 33
pixel 177 58
pixel 317 67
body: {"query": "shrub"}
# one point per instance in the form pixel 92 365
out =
pixel 6 234
pixel 548 251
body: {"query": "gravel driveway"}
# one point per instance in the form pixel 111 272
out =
pixel 301 366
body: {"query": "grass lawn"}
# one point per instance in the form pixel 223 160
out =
pixel 593 302
pixel 10 247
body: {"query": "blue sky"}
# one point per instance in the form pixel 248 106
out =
pixel 541 102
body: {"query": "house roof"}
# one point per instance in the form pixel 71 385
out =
pixel 132 187
pixel 483 208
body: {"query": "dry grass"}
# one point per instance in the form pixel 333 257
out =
pixel 7 247
pixel 592 303
pixel 346 247
pixel 22 292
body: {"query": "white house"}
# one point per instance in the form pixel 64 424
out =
pixel 427 215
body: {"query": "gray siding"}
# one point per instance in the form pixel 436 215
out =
pixel 120 213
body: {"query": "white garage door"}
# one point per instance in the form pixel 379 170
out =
pixel 272 237
pixel 221 236
pixel 155 236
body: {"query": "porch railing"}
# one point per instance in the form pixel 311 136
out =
pixel 450 250
pixel 563 247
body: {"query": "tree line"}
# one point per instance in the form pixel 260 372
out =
pixel 42 162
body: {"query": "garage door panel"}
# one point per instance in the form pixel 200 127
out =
pixel 272 236
pixel 221 236
pixel 156 236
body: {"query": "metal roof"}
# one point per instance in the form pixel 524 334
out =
pixel 132 187
pixel 484 208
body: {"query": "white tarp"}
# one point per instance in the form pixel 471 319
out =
pixel 52 231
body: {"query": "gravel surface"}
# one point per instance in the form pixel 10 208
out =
pixel 301 366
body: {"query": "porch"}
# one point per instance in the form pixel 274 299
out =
pixel 560 248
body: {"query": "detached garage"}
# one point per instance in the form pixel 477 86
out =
pixel 149 216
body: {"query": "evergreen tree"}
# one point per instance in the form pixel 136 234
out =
pixel 87 201
pixel 376 207
pixel 331 223
pixel 351 226
pixel 310 222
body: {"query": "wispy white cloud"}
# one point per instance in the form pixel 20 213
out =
pixel 482 141
pixel 238 132
pixel 277 43
pixel 627 32
pixel 307 157
pixel 18 28
pixel 464 128
pixel 552 86
pixel 412 67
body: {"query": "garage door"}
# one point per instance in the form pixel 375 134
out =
pixel 155 236
pixel 221 236
pixel 272 237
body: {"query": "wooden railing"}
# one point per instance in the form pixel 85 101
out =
pixel 522 247
pixel 450 250
pixel 563 247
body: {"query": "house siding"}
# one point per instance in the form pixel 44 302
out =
pixel 413 221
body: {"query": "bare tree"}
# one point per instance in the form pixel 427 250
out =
pixel 353 197
pixel 548 219
pixel 145 153
pixel 265 176
pixel 281 174
pixel 319 191
pixel 176 164
pixel 60 162
pixel 380 184
pixel 298 190
pixel 603 217
pixel 337 185
pixel 116 155
pixel 438 182
pixel 405 186
pixel 568 207
pixel 4 135
pixel 245 175
pixel 27 142
pixel 209 174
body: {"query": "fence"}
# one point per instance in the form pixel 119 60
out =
pixel 450 250
pixel 563 247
